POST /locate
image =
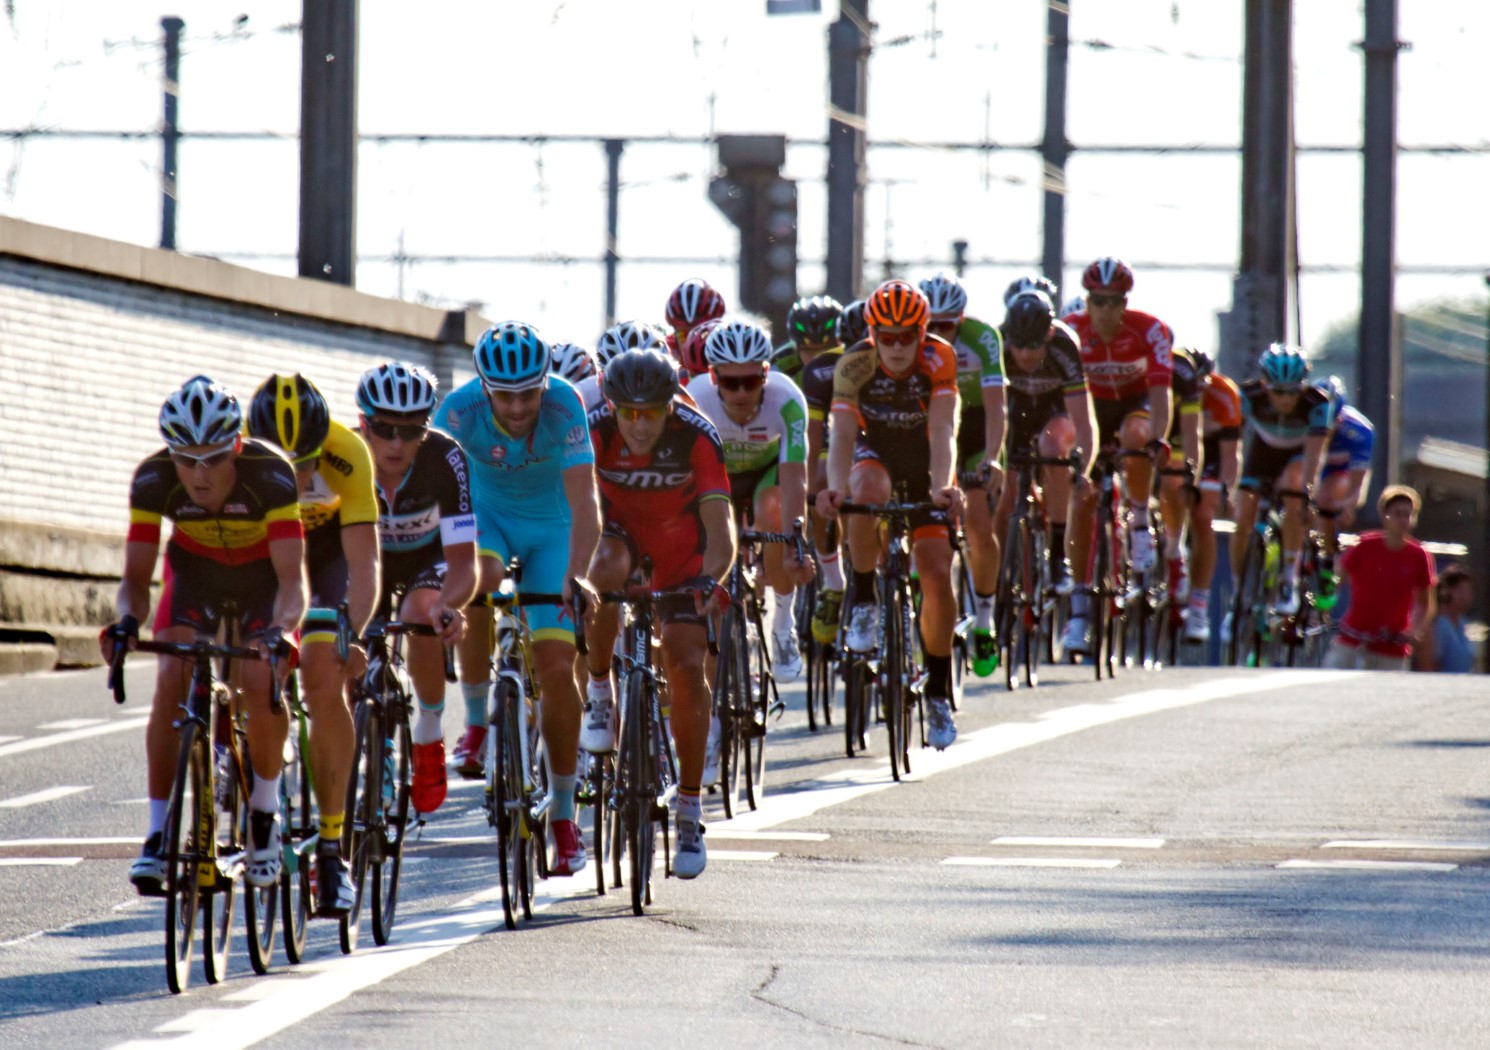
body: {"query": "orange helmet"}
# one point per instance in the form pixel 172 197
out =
pixel 897 304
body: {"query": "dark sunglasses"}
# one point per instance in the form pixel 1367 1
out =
pixel 208 459
pixel 740 382
pixel 388 431
pixel 1107 300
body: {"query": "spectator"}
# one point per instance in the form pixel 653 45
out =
pixel 1447 648
pixel 1391 590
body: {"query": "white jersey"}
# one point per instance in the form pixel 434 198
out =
pixel 589 392
pixel 776 434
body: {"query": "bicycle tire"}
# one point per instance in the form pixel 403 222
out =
pixel 394 823
pixel 726 675
pixel 501 762
pixel 525 829
pixel 640 776
pixel 260 908
pixel 820 681
pixel 596 781
pixel 855 704
pixel 1099 597
pixel 758 686
pixel 893 684
pixel 299 825
pixel 1008 604
pixel 1243 643
pixel 1031 614
pixel 218 902
pixel 363 787
pixel 178 845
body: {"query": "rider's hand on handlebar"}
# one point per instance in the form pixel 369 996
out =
pixel 281 646
pixel 578 587
pixel 1159 449
pixel 949 497
pixel 801 570
pixel 126 632
pixel 828 501
pixel 451 623
pixel 709 598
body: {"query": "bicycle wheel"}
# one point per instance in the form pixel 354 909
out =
pixel 855 704
pixel 532 832
pixel 364 788
pixel 1101 611
pixel 820 681
pixel 893 682
pixel 1241 650
pixel 757 693
pixel 727 680
pixel 300 824
pixel 233 838
pixel 501 794
pixel 184 828
pixel 261 905
pixel 640 776
pixel 1008 602
pixel 393 822
pixel 1032 589
pixel 594 788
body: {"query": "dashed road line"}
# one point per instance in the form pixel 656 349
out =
pixel 1034 862
pixel 36 798
pixel 721 831
pixel 740 854
pixel 39 862
pixel 38 742
pixel 1078 842
pixel 1406 845
pixel 73 723
pixel 1384 866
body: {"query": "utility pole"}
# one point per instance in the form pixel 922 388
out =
pixel 1379 351
pixel 959 257
pixel 328 140
pixel 1055 149
pixel 1259 312
pixel 848 77
pixel 169 132
pixel 613 148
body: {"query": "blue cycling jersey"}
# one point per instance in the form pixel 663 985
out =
pixel 1351 444
pixel 525 474
pixel 1312 415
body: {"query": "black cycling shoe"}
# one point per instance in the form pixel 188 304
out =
pixel 334 890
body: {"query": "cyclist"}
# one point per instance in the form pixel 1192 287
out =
pixel 894 434
pixel 533 481
pixel 812 323
pixel 1186 440
pixel 692 359
pixel 1048 407
pixel 691 303
pixel 761 418
pixel 1346 478
pixel 664 495
pixel 816 381
pixel 339 511
pixel 237 538
pixel 617 339
pixel 1126 356
pixel 1074 305
pixel 1030 282
pixel 980 436
pixel 1288 427
pixel 427 531
pixel 853 326
pixel 573 362
pixel 1221 423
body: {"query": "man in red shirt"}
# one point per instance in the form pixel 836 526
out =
pixel 1391 590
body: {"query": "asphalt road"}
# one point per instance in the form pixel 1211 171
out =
pixel 1178 858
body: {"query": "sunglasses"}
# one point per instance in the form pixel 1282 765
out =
pixel 897 336
pixel 1107 300
pixel 206 459
pixel 631 413
pixel 308 460
pixel 943 326
pixel 740 382
pixel 388 431
pixel 1283 391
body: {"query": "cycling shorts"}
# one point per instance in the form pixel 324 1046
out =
pixel 745 487
pixel 422 570
pixel 197 588
pixel 327 565
pixel 1264 463
pixel 542 548
pixel 924 524
pixel 1111 413
pixel 1025 429
pixel 668 571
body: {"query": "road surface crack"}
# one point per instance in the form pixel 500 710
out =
pixel 760 996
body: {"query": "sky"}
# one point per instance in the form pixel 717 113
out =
pixel 1157 72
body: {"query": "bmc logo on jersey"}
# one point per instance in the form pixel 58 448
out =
pixel 646 479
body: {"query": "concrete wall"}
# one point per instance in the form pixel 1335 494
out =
pixel 94 334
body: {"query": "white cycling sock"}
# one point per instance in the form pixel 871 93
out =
pixel 983 606
pixel 159 807
pixel 1174 543
pixel 1291 565
pixel 598 688
pixel 265 795
pixel 784 614
pixel 1200 598
pixel 1140 513
pixel 427 727
pixel 832 572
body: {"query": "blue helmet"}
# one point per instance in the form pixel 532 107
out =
pixel 1285 365
pixel 512 356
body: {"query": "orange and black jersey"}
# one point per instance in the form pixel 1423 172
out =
pixel 263 506
pixel 892 408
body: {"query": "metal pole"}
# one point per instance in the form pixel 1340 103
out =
pixel 328 140
pixel 613 148
pixel 959 257
pixel 1379 354
pixel 1055 149
pixel 169 135
pixel 848 54
pixel 1482 584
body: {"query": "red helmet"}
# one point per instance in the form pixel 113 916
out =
pixel 691 351
pixel 1108 273
pixel 693 301
pixel 897 304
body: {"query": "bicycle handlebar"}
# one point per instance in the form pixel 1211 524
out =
pixel 193 651
pixel 887 510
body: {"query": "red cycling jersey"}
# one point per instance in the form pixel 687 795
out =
pixel 1134 362
pixel 655 499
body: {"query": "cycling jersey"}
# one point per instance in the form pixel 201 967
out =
pixel 1351 444
pixel 1221 420
pixel 428 511
pixel 1032 399
pixel 263 506
pixel 980 349
pixel 656 498
pixel 1311 415
pixel 777 433
pixel 342 490
pixel 518 487
pixel 590 392
pixel 893 410
pixel 1136 360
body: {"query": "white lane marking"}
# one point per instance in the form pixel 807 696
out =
pixel 1402 844
pixel 846 785
pixel 261 988
pixel 190 1022
pixel 37 742
pixel 1074 841
pixel 8 739
pixel 38 797
pixel 1033 862
pixel 18 843
pixel 739 854
pixel 337 978
pixel 39 862
pixel 1368 865
pixel 129 802
pixel 73 723
pixel 724 831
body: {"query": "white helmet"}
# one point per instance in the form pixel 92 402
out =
pixel 945 294
pixel 1074 305
pixel 572 361
pixel 738 343
pixel 398 388
pixel 200 413
pixel 628 335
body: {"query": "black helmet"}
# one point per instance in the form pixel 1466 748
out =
pixel 853 326
pixel 812 322
pixel 1028 321
pixel 640 377
pixel 1205 364
pixel 290 412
